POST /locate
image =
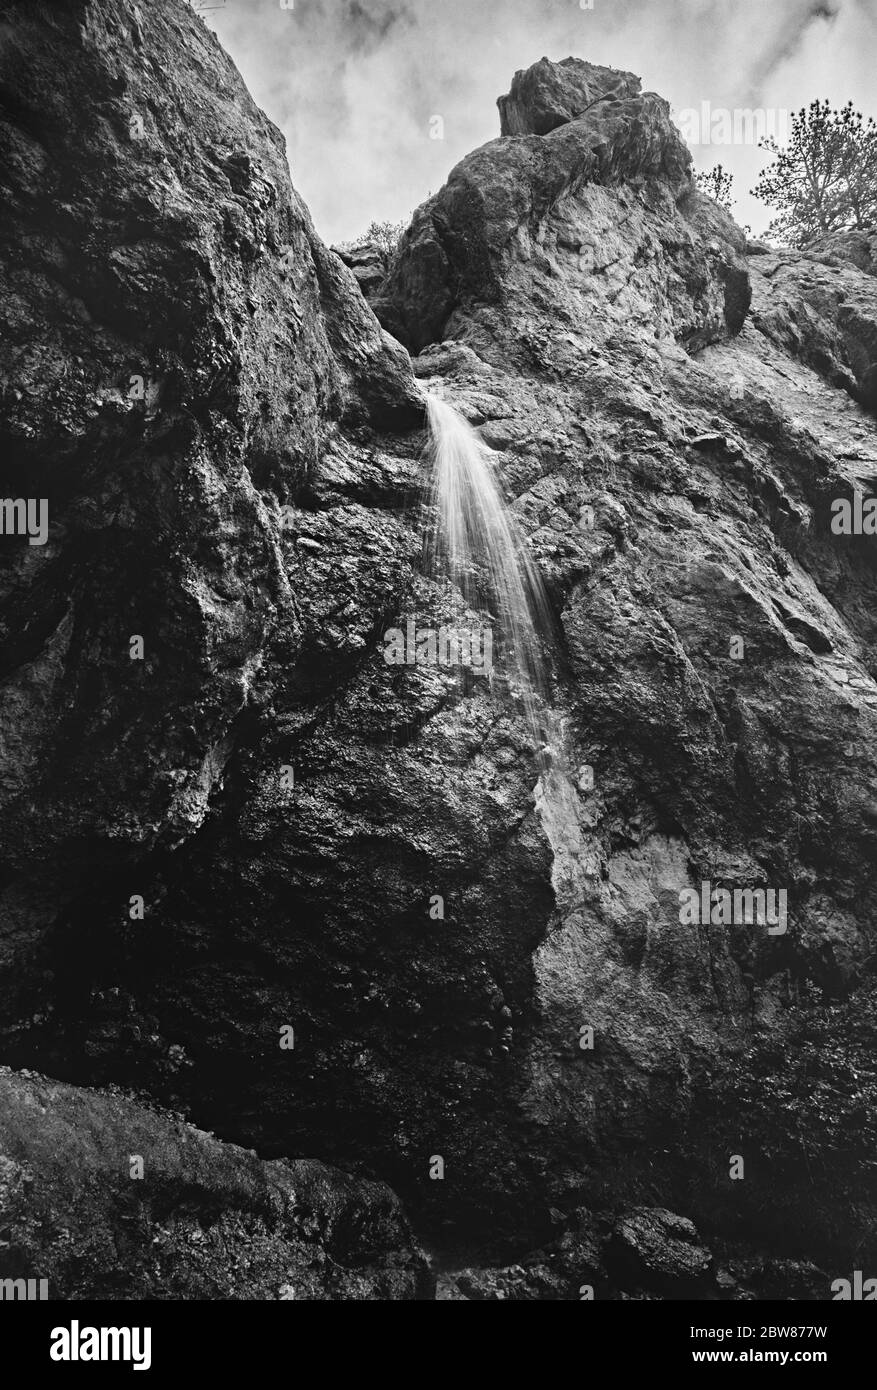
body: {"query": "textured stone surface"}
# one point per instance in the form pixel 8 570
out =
pixel 619 367
pixel 548 94
pixel 822 310
pixel 837 247
pixel 177 262
pixel 600 322
pixel 658 1249
pixel 549 204
pixel 368 263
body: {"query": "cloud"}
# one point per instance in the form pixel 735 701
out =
pixel 356 85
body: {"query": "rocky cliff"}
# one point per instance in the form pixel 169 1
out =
pixel 225 817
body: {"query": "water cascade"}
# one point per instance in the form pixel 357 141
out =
pixel 472 541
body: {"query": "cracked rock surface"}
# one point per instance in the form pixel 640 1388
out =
pixel 232 448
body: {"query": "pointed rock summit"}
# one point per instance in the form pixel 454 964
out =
pixel 548 95
pixel 585 162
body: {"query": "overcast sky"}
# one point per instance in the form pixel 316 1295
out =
pixel 355 85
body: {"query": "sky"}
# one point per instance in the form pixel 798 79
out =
pixel 379 99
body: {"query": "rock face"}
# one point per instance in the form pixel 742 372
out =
pixel 179 351
pixel 242 833
pixel 673 419
pixel 368 263
pixel 858 247
pixel 823 311
pixel 566 192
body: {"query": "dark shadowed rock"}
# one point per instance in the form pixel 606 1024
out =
pixel 178 349
pixel 369 264
pixel 655 1249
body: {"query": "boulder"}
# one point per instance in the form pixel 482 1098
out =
pixel 548 95
pixel 655 1249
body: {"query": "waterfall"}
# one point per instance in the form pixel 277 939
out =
pixel 472 542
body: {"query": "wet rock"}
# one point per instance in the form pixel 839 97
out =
pixel 720 407
pixel 670 419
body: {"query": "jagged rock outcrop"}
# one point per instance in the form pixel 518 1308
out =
pixel 106 1198
pixel 838 247
pixel 559 201
pixel 822 310
pixel 671 419
pixel 549 95
pixel 369 264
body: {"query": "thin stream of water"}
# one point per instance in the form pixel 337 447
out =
pixel 473 542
